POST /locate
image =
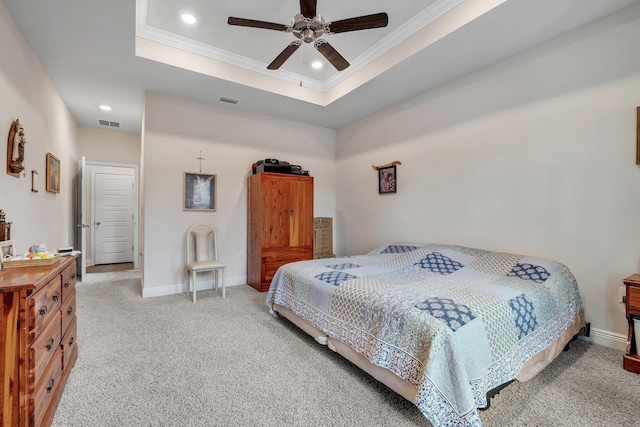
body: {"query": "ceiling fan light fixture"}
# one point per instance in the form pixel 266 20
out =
pixel 308 35
pixel 188 18
pixel 307 26
pixel 317 64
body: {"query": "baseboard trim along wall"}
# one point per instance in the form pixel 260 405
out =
pixel 180 288
pixel 607 338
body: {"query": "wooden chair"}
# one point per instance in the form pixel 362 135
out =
pixel 203 257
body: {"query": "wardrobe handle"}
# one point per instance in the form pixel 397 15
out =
pixel 43 310
pixel 69 311
pixel 51 384
pixel 56 296
pixel 50 344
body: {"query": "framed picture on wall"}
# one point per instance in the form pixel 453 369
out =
pixel 53 173
pixel 7 250
pixel 387 180
pixel 638 136
pixel 199 192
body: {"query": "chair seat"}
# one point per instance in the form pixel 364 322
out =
pixel 205 265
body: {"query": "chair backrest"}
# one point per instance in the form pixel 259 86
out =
pixel 205 243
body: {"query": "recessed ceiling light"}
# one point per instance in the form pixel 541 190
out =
pixel 316 64
pixel 105 108
pixel 188 18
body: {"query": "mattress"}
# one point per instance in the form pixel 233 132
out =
pixel 442 325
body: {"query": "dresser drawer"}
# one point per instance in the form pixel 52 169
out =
pixel 633 300
pixel 43 349
pixel 45 390
pixel 43 306
pixel 270 269
pixel 68 311
pixel 68 281
pixel 69 345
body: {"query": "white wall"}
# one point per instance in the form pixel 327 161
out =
pixel 535 155
pixel 29 95
pixel 176 131
pixel 106 145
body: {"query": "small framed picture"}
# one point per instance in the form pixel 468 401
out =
pixel 199 192
pixel 7 250
pixel 53 173
pixel 387 180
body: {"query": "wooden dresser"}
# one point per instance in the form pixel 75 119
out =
pixel 280 224
pixel 38 339
pixel 631 361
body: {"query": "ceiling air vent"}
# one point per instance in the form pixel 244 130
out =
pixel 228 100
pixel 108 123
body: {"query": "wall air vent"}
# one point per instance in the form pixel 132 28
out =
pixel 109 123
pixel 228 100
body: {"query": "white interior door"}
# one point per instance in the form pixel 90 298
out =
pixel 112 213
pixel 81 217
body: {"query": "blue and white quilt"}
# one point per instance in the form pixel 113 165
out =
pixel 454 321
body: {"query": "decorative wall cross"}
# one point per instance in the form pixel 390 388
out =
pixel 200 159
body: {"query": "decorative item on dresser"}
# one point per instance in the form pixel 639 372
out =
pixel 631 361
pixel 5 227
pixel 280 224
pixel 38 339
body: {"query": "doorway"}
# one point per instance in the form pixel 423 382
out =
pixel 111 204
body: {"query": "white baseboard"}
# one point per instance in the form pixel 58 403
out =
pixel 607 338
pixel 159 291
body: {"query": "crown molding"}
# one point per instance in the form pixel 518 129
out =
pixel 406 30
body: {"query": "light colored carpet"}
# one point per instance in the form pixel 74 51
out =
pixel 165 361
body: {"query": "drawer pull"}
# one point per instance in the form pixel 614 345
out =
pixel 71 340
pixel 73 276
pixel 43 310
pixel 50 345
pixel 52 382
pixel 69 311
pixel 56 296
pixel 66 284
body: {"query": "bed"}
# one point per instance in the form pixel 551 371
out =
pixel 441 325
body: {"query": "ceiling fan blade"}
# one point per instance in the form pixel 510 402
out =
pixel 377 20
pixel 331 54
pixel 308 8
pixel 284 55
pixel 241 22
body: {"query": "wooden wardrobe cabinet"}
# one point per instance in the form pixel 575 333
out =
pixel 280 224
pixel 38 340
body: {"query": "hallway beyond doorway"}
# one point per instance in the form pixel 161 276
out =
pixel 105 268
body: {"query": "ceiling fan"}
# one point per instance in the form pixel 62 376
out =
pixel 308 26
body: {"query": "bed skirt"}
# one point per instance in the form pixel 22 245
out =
pixel 534 365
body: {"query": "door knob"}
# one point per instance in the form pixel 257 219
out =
pixel 97 223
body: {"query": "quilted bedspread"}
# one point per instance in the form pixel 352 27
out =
pixel 454 321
